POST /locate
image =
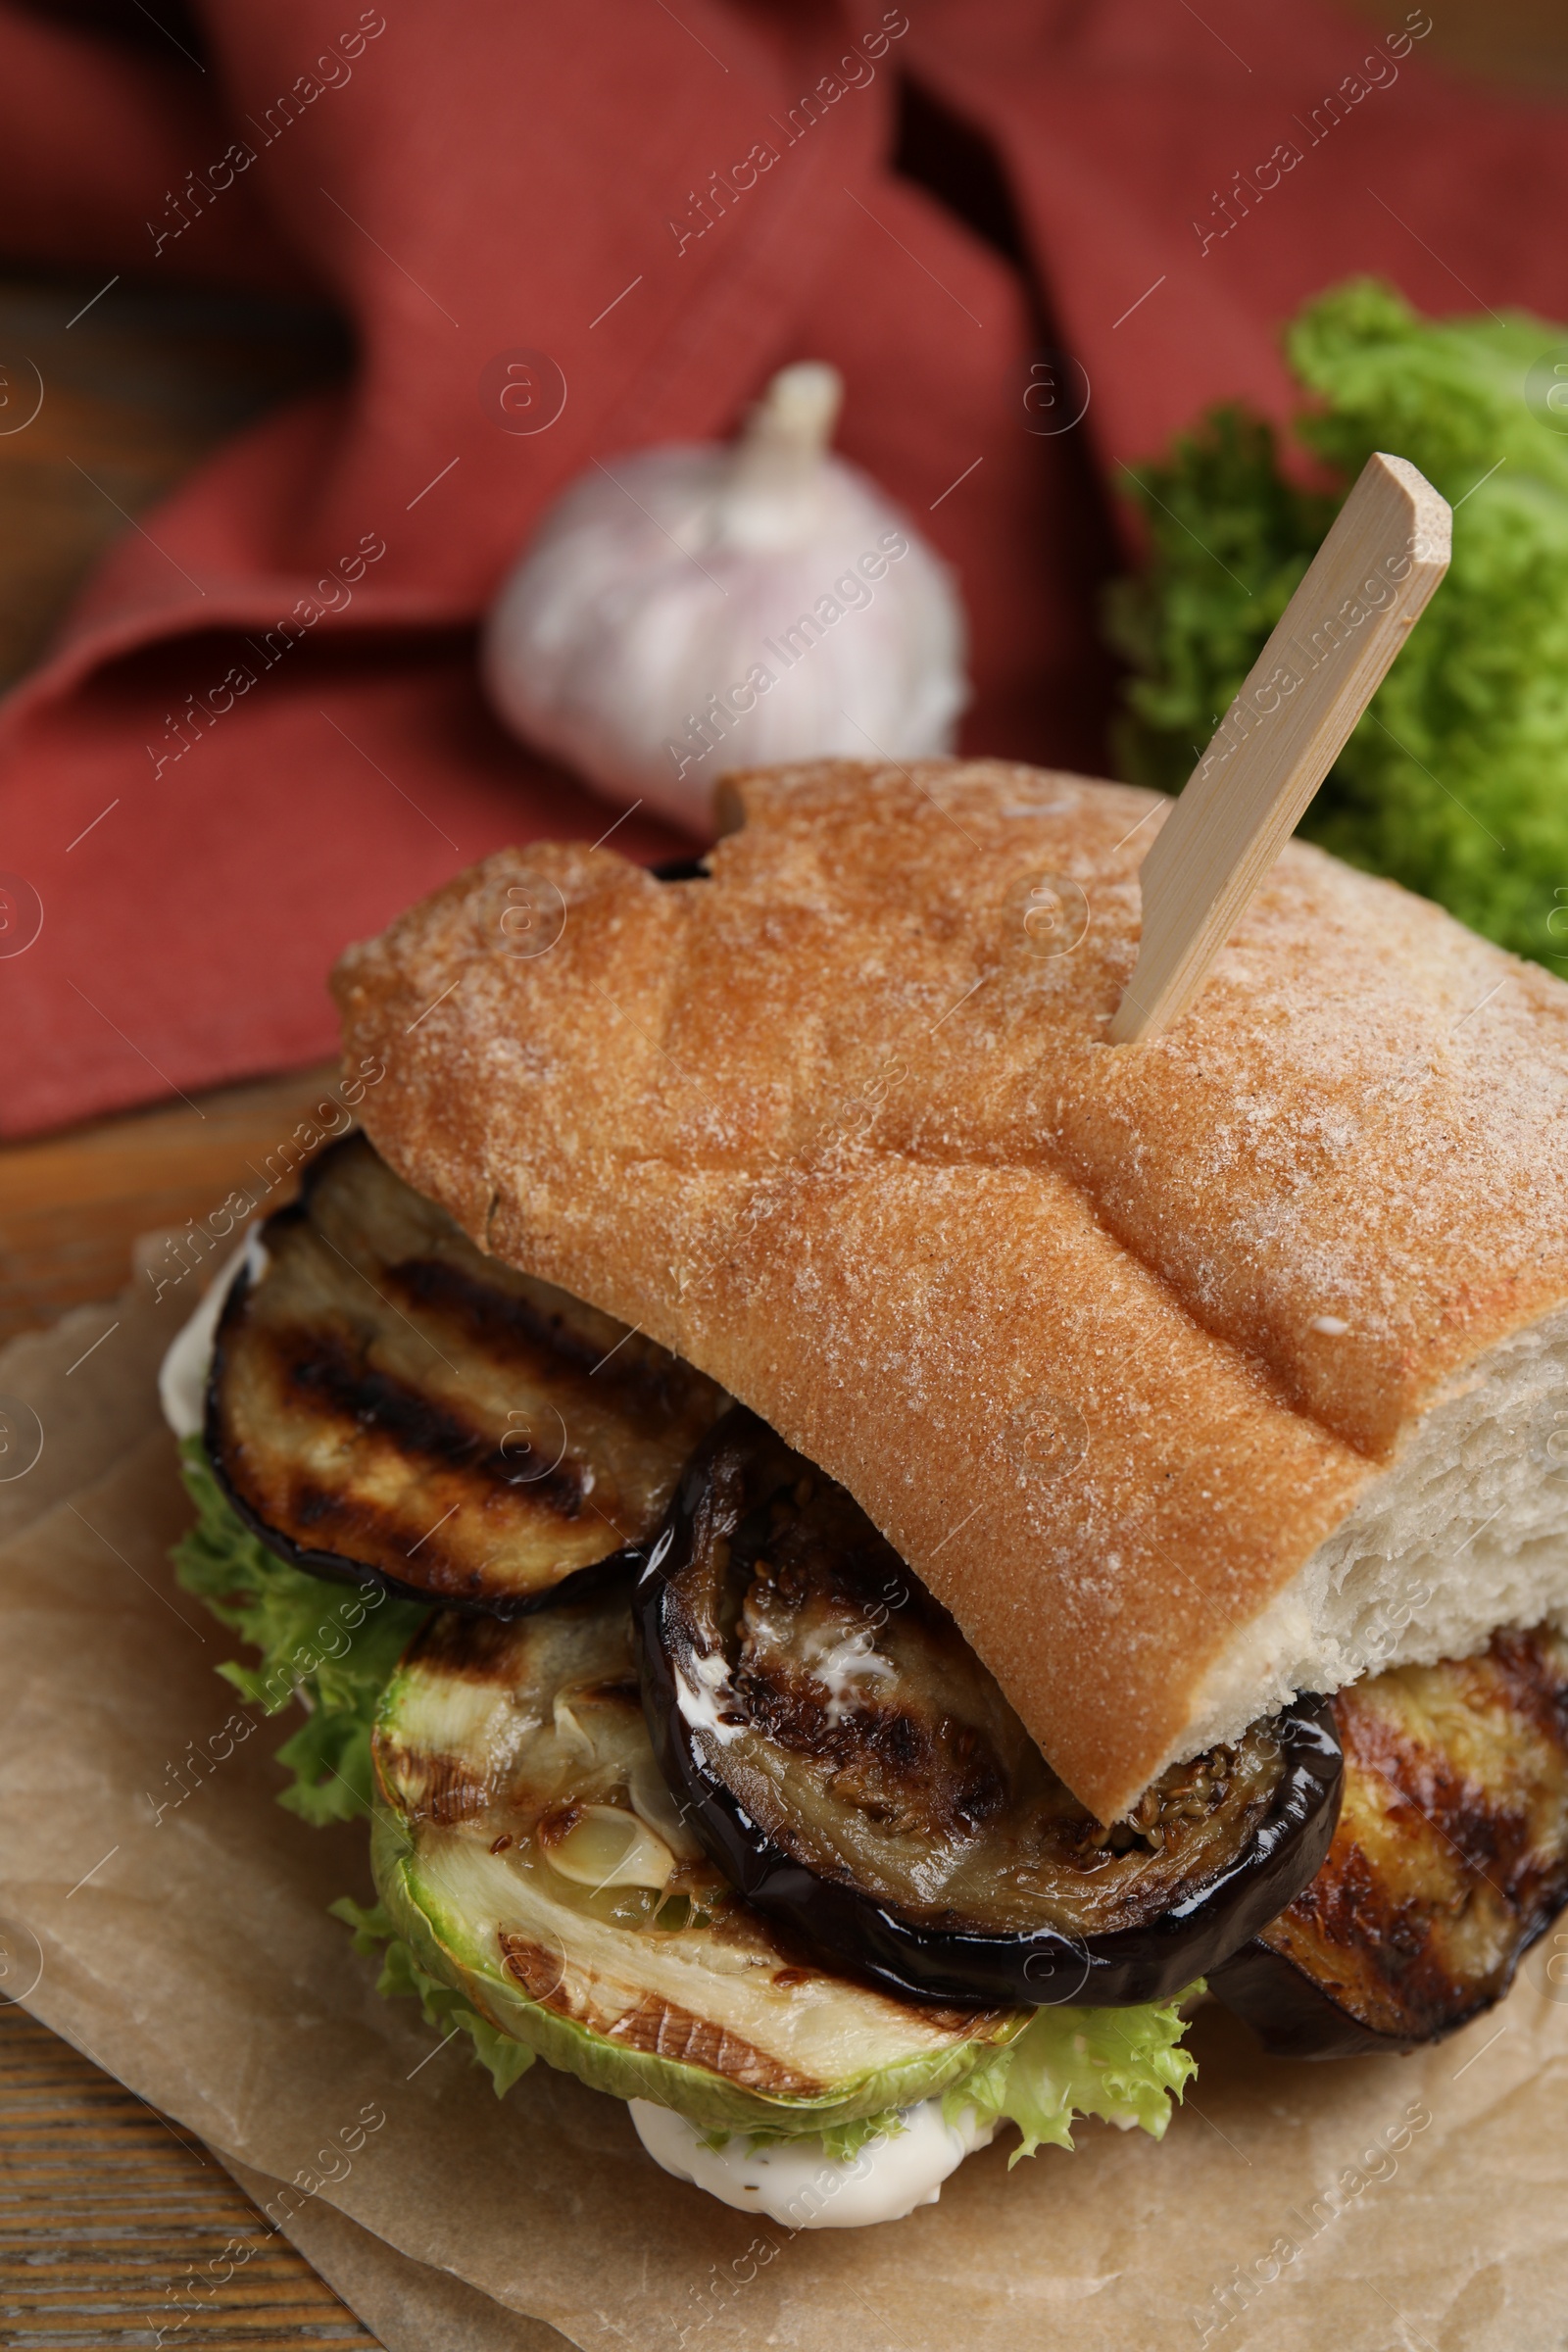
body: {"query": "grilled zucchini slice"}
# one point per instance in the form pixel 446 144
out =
pixel 1451 1857
pixel 387 1402
pixel 527 1848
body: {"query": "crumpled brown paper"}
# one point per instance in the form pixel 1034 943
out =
pixel 408 2305
pixel 1365 2205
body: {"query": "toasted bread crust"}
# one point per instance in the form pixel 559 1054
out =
pixel 1106 1340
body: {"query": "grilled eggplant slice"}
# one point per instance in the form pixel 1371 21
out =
pixel 387 1402
pixel 529 1851
pixel 857 1772
pixel 1451 1857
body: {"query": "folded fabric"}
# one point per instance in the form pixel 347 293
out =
pixel 260 732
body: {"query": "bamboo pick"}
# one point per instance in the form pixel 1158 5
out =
pixel 1365 589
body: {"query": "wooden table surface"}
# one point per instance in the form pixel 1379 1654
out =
pixel 107 2210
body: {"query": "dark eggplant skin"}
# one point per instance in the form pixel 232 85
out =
pixel 1291 2017
pixel 1448 1860
pixel 1150 1961
pixel 430 1430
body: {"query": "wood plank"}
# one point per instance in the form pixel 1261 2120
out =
pixel 71 1204
pixel 113 2224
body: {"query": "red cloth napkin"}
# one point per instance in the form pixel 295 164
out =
pixel 261 733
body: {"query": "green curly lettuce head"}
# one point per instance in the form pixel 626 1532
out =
pixel 331 1647
pixel 1456 781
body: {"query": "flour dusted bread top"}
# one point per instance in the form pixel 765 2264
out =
pixel 1185 1373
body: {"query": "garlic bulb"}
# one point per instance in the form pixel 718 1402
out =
pixel 695 609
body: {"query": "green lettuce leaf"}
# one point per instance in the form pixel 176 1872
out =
pixel 841 2143
pixel 1122 2064
pixel 1456 781
pixel 331 1647
pixel 503 2058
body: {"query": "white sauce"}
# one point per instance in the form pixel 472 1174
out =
pixel 797 2183
pixel 707 1707
pixel 183 1377
pixel 842 1664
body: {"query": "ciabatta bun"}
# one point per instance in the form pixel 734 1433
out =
pixel 1187 1374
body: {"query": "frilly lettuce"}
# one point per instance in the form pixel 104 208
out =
pixel 1122 2064
pixel 841 2143
pixel 334 1648
pixel 1456 781
pixel 331 1647
pixel 503 2058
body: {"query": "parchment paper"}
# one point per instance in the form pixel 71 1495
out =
pixel 1365 2205
pixel 408 2306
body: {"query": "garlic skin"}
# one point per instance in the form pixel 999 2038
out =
pixel 690 610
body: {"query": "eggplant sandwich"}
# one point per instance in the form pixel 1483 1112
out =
pixel 878 1543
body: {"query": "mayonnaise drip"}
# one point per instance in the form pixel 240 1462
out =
pixel 843 1663
pixel 182 1375
pixel 797 2183
pixel 706 1703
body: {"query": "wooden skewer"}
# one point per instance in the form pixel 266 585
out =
pixel 1363 592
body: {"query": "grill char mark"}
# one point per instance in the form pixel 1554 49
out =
pixel 659 2028
pixel 322 1519
pixel 511 1328
pixel 328 1377
pixel 905 1760
pixel 471 1649
pixel 431 1786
